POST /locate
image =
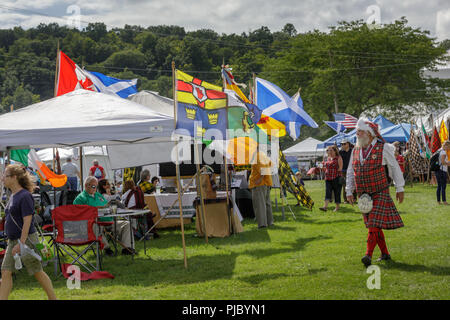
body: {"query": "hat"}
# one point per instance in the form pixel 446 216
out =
pixel 345 140
pixel 372 128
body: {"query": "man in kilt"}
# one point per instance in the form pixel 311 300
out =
pixel 367 174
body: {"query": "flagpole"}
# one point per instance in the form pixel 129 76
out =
pixel 226 166
pixel 177 165
pixel 55 90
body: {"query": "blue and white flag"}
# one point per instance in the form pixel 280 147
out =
pixel 113 86
pixel 277 104
pixel 296 97
pixel 336 126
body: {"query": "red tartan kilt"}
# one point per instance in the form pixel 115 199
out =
pixel 384 214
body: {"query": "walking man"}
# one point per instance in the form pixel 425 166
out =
pixel 366 173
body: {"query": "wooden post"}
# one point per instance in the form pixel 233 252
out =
pixel 177 165
pixel 200 190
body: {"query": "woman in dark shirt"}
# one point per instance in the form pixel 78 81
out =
pixel 19 228
pixel 333 170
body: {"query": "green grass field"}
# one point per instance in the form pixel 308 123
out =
pixel 314 256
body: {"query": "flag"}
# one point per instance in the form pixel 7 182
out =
pixel 113 86
pixel 287 182
pixel 71 77
pixel 269 125
pixel 435 141
pixel 336 126
pixel 277 104
pixel 348 121
pixel 426 141
pixel 296 97
pixel 443 132
pixel 29 158
pixel 199 93
pixel 200 106
pixel 417 161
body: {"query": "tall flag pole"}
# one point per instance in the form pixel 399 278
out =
pixel 177 164
pixel 226 163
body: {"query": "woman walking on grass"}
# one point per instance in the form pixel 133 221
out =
pixel 333 171
pixel 19 229
pixel 441 174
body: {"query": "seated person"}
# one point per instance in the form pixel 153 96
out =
pixel 144 182
pixel 104 187
pixel 155 183
pixel 91 197
pixel 133 198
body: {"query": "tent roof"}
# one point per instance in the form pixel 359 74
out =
pixel 64 153
pixel 83 117
pixel 307 147
pixel 154 101
pixel 382 122
pixel 399 132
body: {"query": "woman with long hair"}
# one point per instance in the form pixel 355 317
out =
pixel 20 230
pixel 333 171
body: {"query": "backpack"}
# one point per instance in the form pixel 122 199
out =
pixel 98 173
pixel 434 162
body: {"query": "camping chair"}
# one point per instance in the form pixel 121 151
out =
pixel 74 227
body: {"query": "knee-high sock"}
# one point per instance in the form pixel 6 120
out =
pixel 371 241
pixel 382 242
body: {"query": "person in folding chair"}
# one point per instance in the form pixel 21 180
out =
pixel 91 197
pixel 20 231
pixel 367 174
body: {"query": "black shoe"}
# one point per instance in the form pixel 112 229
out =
pixel 109 252
pixel 366 260
pixel 128 251
pixel 384 257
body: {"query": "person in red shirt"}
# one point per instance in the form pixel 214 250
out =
pixel 97 171
pixel 400 160
pixel 333 170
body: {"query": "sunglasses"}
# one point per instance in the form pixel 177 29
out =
pixel 93 186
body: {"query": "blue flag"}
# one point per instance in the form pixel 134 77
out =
pixel 276 103
pixel 336 126
pixel 110 85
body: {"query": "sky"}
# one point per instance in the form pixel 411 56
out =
pixel 227 16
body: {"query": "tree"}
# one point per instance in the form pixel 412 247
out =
pixel 21 98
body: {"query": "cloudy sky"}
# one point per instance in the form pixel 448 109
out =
pixel 227 16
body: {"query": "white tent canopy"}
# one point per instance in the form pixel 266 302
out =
pixel 154 101
pixel 82 118
pixel 307 149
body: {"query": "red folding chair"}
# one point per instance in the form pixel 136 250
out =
pixel 74 227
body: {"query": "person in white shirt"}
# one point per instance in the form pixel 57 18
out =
pixel 71 171
pixel 367 174
pixel 441 174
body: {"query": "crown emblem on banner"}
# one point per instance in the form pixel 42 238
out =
pixel 200 131
pixel 213 118
pixel 190 113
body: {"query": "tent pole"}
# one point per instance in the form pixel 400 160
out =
pixel 177 165
pixel 200 189
pixel 81 168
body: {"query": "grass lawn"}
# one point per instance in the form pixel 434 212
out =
pixel 314 256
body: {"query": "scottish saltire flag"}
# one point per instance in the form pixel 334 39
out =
pixel 113 86
pixel 277 104
pixel 296 97
pixel 336 126
pixel 348 121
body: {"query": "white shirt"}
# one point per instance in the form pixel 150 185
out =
pixel 69 169
pixel 443 153
pixel 132 201
pixel 388 159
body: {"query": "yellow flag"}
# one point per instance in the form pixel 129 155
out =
pixel 443 132
pixel 200 93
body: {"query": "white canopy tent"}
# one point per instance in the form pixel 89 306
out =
pixel 89 155
pixel 307 149
pixel 154 101
pixel 83 118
